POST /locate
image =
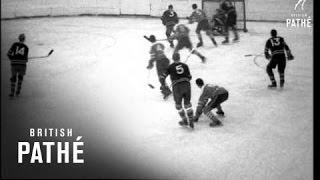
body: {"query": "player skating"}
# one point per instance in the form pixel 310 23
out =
pixel 278 47
pixel 203 24
pixel 18 55
pixel 162 63
pixel 216 95
pixel 180 77
pixel 182 35
pixel 169 19
pixel 231 22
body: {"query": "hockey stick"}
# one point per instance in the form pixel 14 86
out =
pixel 189 55
pixel 147 38
pixel 38 57
pixel 249 55
pixel 150 85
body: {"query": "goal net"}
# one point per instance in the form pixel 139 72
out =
pixel 210 7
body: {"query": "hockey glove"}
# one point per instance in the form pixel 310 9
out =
pixel 267 55
pixel 290 56
pixel 150 66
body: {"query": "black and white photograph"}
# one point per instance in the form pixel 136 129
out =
pixel 157 89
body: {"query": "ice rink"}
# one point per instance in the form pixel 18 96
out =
pixel 96 83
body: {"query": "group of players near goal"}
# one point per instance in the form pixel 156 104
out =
pixel 212 95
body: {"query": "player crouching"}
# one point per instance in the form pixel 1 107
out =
pixel 217 95
pixel 162 63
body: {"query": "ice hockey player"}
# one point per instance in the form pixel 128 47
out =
pixel 278 48
pixel 180 77
pixel 217 95
pixel 162 63
pixel 203 24
pixel 18 55
pixel 181 33
pixel 169 19
pixel 231 21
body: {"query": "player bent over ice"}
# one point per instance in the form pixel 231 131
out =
pixel 203 24
pixel 180 77
pixel 162 63
pixel 217 95
pixel 182 35
pixel 277 46
pixel 18 55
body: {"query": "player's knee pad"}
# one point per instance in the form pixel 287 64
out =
pixel 187 106
pixel 179 107
pixel 207 109
pixel 13 78
pixel 20 77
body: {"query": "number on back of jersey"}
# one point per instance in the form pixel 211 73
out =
pixel 179 69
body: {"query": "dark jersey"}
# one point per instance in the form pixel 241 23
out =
pixel 179 72
pixel 276 45
pixel 169 18
pixel 18 54
pixel 162 64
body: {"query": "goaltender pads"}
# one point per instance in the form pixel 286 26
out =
pixel 210 7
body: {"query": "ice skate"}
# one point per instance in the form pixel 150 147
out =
pixel 225 42
pixel 220 113
pixel 273 85
pixel 281 84
pixel 199 44
pixel 215 123
pixel 191 123
pixel 235 40
pixel 183 123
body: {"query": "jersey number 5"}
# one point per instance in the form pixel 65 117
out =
pixel 179 69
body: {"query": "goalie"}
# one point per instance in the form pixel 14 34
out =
pixel 278 48
pixel 231 20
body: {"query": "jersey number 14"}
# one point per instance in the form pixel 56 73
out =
pixel 19 51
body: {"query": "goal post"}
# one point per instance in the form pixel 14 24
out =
pixel 210 6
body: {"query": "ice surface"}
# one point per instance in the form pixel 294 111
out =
pixel 96 83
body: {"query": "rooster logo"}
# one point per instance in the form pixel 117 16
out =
pixel 299 2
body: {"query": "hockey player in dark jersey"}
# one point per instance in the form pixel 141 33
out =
pixel 203 24
pixel 169 19
pixel 181 33
pixel 278 48
pixel 18 55
pixel 162 63
pixel 216 95
pixel 231 21
pixel 180 77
